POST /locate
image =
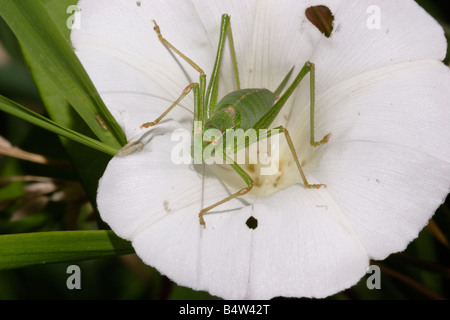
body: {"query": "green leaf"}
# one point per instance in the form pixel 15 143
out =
pixel 38 34
pixel 19 111
pixel 16 82
pixel 27 249
pixel 88 162
pixel 9 42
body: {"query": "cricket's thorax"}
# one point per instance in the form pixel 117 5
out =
pixel 245 106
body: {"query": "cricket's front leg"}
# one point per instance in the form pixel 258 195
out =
pixel 244 175
pixel 135 146
pixel 183 94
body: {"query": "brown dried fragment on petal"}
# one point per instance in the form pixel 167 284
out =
pixel 322 18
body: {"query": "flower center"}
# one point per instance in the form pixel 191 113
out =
pixel 271 165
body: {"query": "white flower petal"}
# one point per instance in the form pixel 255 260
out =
pixel 137 77
pixel 297 252
pixel 216 259
pixel 131 95
pixel 369 85
pixel 265 51
pixel 140 189
pixel 407 33
pixel 154 203
pixel 306 249
pixel 149 200
pixel 400 104
pixel 387 192
pixel 387 164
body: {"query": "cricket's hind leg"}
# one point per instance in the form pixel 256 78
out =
pixel 297 162
pixel 312 78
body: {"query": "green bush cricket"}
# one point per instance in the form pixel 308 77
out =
pixel 240 109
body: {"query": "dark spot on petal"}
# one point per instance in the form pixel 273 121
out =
pixel 252 223
pixel 322 18
pixel 138 3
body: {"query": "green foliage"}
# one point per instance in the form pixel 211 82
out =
pixel 38 33
pixel 21 250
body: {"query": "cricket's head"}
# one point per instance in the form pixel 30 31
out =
pixel 222 120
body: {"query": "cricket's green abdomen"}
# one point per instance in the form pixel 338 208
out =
pixel 245 106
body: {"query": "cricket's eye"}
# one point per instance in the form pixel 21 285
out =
pixel 322 18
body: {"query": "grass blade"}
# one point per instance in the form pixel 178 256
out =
pixel 23 113
pixel 38 33
pixel 27 249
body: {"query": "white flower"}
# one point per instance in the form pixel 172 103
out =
pixel 381 93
